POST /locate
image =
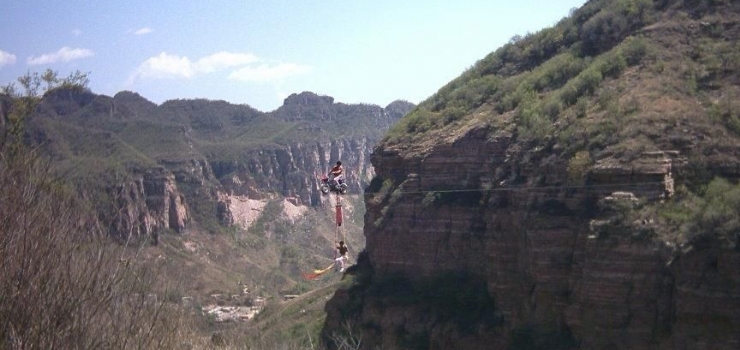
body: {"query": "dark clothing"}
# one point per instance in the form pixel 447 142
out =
pixel 342 249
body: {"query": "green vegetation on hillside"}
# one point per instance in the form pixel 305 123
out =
pixel 702 216
pixel 540 74
pixel 709 214
pixel 581 82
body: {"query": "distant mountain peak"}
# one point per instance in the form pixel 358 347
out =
pixel 130 97
pixel 307 98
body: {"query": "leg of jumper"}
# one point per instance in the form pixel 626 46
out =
pixel 337 179
pixel 340 262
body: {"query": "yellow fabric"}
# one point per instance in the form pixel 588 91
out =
pixel 324 270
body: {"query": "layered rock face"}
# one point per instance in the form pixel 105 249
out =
pixel 293 171
pixel 153 201
pixel 148 204
pixel 561 273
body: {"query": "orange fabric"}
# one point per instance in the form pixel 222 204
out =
pixel 317 273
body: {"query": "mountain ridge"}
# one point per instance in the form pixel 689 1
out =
pixel 191 167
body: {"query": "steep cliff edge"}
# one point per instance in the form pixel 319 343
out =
pixel 148 205
pixel 559 195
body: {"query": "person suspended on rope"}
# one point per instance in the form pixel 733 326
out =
pixel 342 259
pixel 336 173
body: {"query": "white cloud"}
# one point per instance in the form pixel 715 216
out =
pixel 6 58
pixel 142 31
pixel 266 72
pixel 173 66
pixel 64 54
pixel 223 60
pixel 164 66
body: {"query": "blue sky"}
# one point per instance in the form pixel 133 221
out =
pixel 257 52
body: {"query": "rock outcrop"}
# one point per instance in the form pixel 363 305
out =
pixel 149 204
pixel 292 171
pixel 481 207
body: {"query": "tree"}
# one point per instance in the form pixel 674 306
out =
pixel 62 285
pixel 25 97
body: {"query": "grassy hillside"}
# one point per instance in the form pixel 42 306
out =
pixel 608 83
pixel 586 83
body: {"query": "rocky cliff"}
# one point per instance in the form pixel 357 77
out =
pixel 292 170
pixel 165 166
pixel 562 272
pixel 501 227
pixel 148 205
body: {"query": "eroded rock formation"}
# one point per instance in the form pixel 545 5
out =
pixel 148 204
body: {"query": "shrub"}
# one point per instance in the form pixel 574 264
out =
pixel 716 213
pixel 557 71
pixel 551 108
pixel 474 92
pixel 419 121
pixel 733 123
pixel 631 105
pixel 62 284
pixel 589 80
pixel 532 123
pixel 706 213
pixel 613 23
pixel 612 64
pixel 602 31
pixel 581 107
pixel 578 167
pixel 634 49
pixel 429 198
pixel 584 83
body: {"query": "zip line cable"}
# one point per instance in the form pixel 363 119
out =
pixel 526 189
pixel 338 206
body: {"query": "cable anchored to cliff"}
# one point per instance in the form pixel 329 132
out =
pixel 529 189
